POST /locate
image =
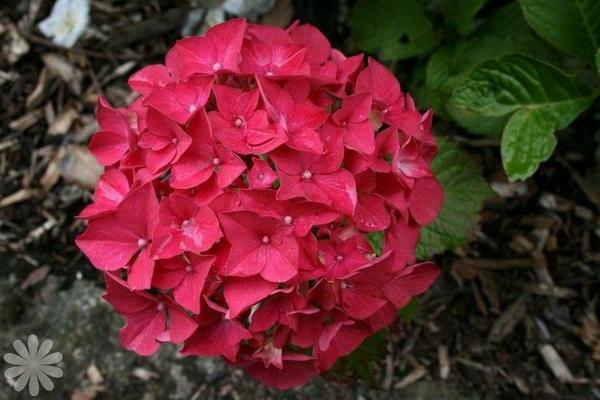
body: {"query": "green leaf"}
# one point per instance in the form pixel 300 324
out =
pixel 460 14
pixel 396 29
pixel 410 311
pixel 362 362
pixel 598 61
pixel 375 239
pixel 464 193
pixel 504 32
pixel 501 86
pixel 527 141
pixel 573 26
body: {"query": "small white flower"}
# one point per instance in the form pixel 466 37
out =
pixel 33 365
pixel 67 21
pixel 248 8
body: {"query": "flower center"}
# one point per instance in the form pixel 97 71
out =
pixel 344 124
pixel 306 175
pixel 216 161
pixel 188 268
pixel 265 239
pixel 175 141
pixel 269 73
pixel 239 122
pixel 160 306
pixel 186 223
pixel 287 219
pixel 261 177
pixel 216 66
pixel 339 258
pixel 192 108
pixel 142 243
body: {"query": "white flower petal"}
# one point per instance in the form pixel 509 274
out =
pixel 52 371
pixel 66 22
pixel 14 359
pixel 22 380
pixel 21 349
pixel 32 345
pixel 13 372
pixel 248 8
pixel 34 384
pixel 45 381
pixel 53 358
pixel 45 348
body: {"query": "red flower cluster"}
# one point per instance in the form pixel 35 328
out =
pixel 238 192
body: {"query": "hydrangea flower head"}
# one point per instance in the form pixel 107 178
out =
pixel 239 191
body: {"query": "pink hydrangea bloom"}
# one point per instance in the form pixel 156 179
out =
pixel 239 191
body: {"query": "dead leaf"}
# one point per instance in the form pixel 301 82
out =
pixel 77 165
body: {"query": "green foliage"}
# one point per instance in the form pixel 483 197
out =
pixel 410 311
pixel 505 71
pixel 395 29
pixel 528 140
pixel 362 362
pixel 504 85
pixel 460 14
pixel 544 97
pixel 375 239
pixel 464 193
pixel 573 26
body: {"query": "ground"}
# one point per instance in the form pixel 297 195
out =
pixel 515 313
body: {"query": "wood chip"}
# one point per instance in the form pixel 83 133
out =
pixel 62 122
pixel 543 289
pixel 17 197
pixel 13 45
pixel 66 71
pixel 520 384
pixel 555 363
pixel 51 175
pixel 26 121
pixel 8 76
pixel 143 374
pixel 35 276
pixel 443 361
pixel 93 374
pixel 411 378
pixel 280 15
pixel 499 264
pixel 508 320
pixel 45 85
